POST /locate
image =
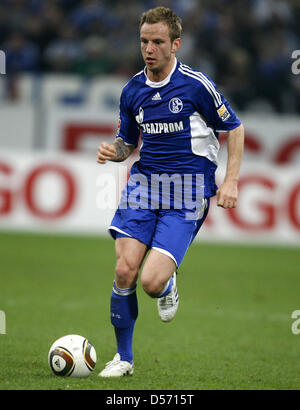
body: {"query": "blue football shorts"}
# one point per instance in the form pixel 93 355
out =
pixel 169 231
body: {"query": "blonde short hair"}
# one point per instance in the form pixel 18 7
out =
pixel 163 15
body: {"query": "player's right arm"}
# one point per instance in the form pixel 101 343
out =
pixel 128 132
pixel 118 151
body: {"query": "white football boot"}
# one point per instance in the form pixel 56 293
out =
pixel 168 305
pixel 117 368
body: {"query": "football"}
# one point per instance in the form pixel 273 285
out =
pixel 73 356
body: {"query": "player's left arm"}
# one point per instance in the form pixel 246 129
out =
pixel 227 194
pixel 218 113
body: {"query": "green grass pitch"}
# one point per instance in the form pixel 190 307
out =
pixel 232 329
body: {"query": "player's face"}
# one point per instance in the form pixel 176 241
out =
pixel 157 49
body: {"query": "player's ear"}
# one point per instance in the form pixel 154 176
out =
pixel 176 45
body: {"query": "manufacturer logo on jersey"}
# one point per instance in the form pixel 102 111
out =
pixel 175 105
pixel 223 113
pixel 156 97
pixel 140 117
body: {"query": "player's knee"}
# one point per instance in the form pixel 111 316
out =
pixel 126 273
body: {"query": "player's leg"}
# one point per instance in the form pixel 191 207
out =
pixel 123 306
pixel 175 231
pixel 158 279
pixel 130 254
pixel 156 273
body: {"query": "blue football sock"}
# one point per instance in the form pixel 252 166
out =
pixel 124 312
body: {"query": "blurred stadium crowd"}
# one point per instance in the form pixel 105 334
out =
pixel 245 46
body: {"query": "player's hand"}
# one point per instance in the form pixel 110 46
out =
pixel 106 152
pixel 227 195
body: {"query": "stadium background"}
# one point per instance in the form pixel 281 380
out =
pixel 65 65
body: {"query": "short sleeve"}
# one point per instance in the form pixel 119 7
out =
pixel 215 108
pixel 127 129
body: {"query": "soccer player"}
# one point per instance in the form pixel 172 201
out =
pixel 178 111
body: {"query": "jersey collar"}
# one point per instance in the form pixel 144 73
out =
pixel 159 84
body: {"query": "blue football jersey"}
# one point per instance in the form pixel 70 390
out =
pixel 179 120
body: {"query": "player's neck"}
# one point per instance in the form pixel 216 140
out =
pixel 159 76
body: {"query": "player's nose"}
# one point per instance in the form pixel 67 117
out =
pixel 149 48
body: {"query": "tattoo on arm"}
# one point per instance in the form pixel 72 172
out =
pixel 123 150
